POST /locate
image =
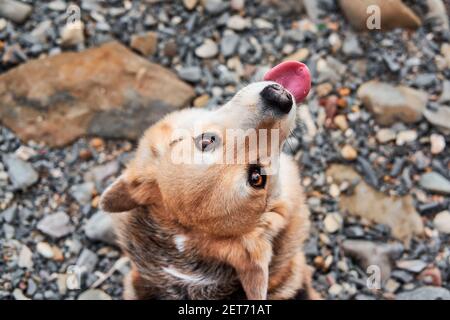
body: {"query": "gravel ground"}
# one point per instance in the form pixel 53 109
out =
pixel 219 47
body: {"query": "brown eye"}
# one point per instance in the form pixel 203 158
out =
pixel 206 142
pixel 256 178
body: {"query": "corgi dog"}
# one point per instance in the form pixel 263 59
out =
pixel 209 208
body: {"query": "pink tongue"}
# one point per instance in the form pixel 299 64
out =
pixel 294 76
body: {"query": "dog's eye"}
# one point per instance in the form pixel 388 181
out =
pixel 256 177
pixel 206 142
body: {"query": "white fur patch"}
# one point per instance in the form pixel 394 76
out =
pixel 179 240
pixel 188 278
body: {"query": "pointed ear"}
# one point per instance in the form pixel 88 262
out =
pixel 117 197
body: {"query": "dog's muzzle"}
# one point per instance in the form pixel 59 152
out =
pixel 276 97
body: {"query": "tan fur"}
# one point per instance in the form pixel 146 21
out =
pixel 259 233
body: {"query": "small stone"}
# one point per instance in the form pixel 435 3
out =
pixel 72 34
pixel 406 136
pixel 414 266
pixel 431 276
pixel 82 193
pixel 434 182
pixel 391 285
pixel 191 74
pixel 146 43
pixel 335 42
pixel 351 46
pixel 238 23
pixel 201 101
pixel 341 122
pixel 100 227
pixel 299 55
pixel 56 225
pixel 45 250
pixel 334 191
pixel 3 24
pixel 228 44
pixel 9 214
pixel 332 222
pixel 437 143
pixel 25 153
pixel 57 5
pixel 324 89
pixel 18 295
pixel 87 260
pixel 442 222
pixel 439 118
pixel 237 5
pixel 207 50
pixel 190 4
pixel 21 173
pixel 425 293
pixel 9 231
pixel 15 11
pixel 94 294
pixel 445 95
pixel 349 153
pixel 97 143
pixel 41 31
pixel 25 258
pixel 215 6
pixel 335 290
pixel 385 135
pixel 31 287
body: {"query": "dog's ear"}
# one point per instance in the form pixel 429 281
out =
pixel 117 197
pixel 127 193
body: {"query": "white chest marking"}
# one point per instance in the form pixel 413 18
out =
pixel 188 278
pixel 179 240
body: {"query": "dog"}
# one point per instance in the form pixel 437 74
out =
pixel 210 229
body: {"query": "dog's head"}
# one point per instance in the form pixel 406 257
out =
pixel 210 171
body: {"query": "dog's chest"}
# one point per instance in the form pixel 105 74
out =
pixel 169 268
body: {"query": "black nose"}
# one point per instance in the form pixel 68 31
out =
pixel 276 97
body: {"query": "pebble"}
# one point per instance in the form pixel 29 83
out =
pixel 15 11
pixel 94 294
pixel 407 136
pixel 425 293
pixel 87 260
pixel 190 74
pixel 385 135
pixel 435 182
pixel 21 173
pixel 45 250
pixel 25 258
pixel 341 122
pixel 349 153
pixel 229 44
pixel 415 266
pixel 207 50
pixel 442 222
pixel 437 143
pixel 238 23
pixel 9 214
pixel 56 225
pixel 333 222
pixel 299 55
pixel 146 43
pixel 82 193
pixel 19 295
pixel 100 227
pixel 190 4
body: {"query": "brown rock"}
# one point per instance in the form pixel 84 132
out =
pixel 106 91
pixel 398 213
pixel 390 104
pixel 393 14
pixel 145 43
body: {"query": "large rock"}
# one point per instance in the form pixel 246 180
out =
pixel 392 14
pixel 397 212
pixel 390 104
pixel 107 91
